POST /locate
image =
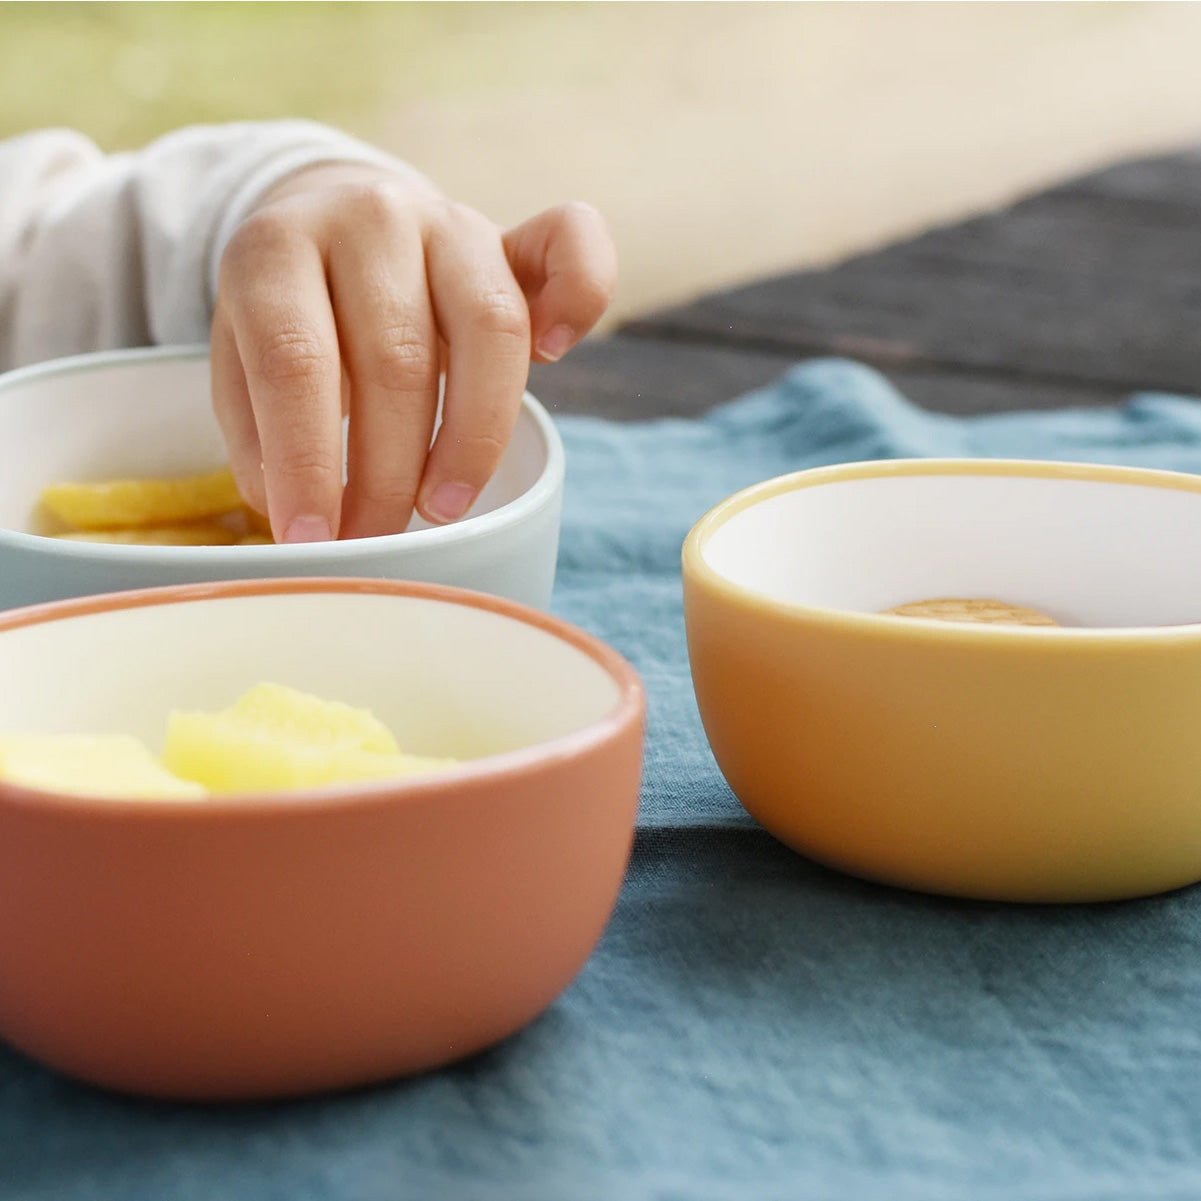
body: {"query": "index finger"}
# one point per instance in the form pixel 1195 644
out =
pixel 274 287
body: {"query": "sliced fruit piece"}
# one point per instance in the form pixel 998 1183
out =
pixel 228 752
pixel 110 765
pixel 301 717
pixel 121 504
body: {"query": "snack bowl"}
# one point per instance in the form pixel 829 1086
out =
pixel 147 413
pixel 262 946
pixel 990 761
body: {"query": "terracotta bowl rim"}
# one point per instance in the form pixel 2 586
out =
pixel 629 711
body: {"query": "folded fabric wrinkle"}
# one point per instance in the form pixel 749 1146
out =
pixel 752 1025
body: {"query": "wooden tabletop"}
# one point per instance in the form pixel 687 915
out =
pixel 1078 295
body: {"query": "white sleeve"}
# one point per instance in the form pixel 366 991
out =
pixel 100 251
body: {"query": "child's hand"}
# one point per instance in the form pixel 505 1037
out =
pixel 347 291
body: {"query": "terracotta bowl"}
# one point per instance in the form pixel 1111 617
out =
pixel 1020 763
pixel 262 946
pixel 147 413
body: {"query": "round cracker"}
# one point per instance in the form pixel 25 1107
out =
pixel 981 611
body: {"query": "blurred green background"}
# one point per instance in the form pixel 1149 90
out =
pixel 724 141
pixel 126 72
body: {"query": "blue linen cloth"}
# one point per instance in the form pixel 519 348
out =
pixel 752 1025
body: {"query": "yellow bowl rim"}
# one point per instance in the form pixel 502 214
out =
pixel 698 572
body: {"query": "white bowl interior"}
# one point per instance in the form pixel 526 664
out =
pixel 448 679
pixel 151 416
pixel 1088 553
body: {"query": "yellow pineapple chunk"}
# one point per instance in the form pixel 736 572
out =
pixel 299 716
pixel 227 754
pixel 110 765
pixel 121 504
pixel 277 738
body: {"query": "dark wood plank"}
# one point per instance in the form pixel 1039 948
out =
pixel 1139 221
pixel 900 309
pixel 1165 183
pixel 1073 236
pixel 1064 289
pixel 627 378
pixel 1075 296
pixel 1000 322
pixel 966 395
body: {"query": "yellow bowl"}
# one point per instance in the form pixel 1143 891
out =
pixel 1014 763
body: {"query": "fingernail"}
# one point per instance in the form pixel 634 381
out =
pixel 308 529
pixel 556 342
pixel 448 502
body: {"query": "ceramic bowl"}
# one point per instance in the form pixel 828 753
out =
pixel 147 413
pixel 1019 763
pixel 264 946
